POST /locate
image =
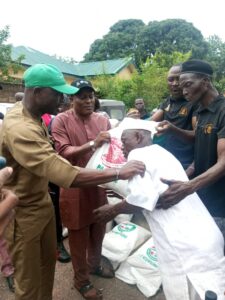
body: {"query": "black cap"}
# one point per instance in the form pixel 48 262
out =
pixel 197 66
pixel 82 83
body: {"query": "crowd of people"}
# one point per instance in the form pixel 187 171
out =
pixel 190 128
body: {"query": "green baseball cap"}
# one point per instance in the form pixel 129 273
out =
pixel 46 75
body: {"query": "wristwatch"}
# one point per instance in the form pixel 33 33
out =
pixel 92 145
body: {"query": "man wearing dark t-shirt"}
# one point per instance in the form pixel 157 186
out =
pixel 182 114
pixel 209 138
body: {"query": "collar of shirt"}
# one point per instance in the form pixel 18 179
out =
pixel 213 106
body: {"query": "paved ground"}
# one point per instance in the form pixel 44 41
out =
pixel 114 289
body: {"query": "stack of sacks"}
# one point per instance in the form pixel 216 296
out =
pixel 122 240
pixel 141 269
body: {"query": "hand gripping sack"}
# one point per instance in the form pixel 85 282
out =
pixel 110 155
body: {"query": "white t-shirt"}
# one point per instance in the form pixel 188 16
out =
pixel 188 242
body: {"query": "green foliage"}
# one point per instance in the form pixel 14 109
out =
pixel 216 56
pixel 171 35
pixel 6 63
pixel 118 43
pixel 135 39
pixel 150 83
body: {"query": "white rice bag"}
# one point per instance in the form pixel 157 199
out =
pixel 122 240
pixel 141 268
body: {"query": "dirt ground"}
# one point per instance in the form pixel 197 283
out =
pixel 114 289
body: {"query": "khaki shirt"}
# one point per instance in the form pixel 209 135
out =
pixel 26 146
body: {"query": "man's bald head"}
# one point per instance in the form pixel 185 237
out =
pixel 135 138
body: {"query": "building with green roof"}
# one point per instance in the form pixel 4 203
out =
pixel 122 67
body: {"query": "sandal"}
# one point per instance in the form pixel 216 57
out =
pixel 103 272
pixel 89 292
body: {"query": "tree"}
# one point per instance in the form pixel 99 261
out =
pixel 168 36
pixel 133 38
pixel 118 43
pixel 216 57
pixel 150 83
pixel 7 66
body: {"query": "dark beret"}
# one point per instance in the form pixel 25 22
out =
pixel 197 66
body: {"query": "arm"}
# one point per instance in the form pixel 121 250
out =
pixel 184 135
pixel 157 116
pixel 63 143
pixel 179 190
pixel 8 201
pixel 108 212
pixel 87 177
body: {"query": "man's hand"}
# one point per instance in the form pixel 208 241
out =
pixel 133 115
pixel 104 213
pixel 111 194
pixel 176 192
pixel 8 201
pixel 5 173
pixel 7 204
pixel 164 127
pixel 132 168
pixel 102 137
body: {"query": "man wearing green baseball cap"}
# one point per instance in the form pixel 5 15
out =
pixel 41 75
pixel 26 146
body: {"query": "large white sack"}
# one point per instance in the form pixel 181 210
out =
pixel 110 155
pixel 141 268
pixel 122 240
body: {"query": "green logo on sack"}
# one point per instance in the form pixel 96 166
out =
pixel 100 167
pixel 151 253
pixel 126 227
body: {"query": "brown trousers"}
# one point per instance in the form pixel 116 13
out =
pixel 34 259
pixel 85 248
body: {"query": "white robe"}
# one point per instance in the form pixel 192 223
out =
pixel 188 242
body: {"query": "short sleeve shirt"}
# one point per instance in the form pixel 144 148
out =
pixel 210 128
pixel 26 146
pixel 179 113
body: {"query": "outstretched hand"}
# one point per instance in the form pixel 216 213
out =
pixel 104 213
pixel 164 127
pixel 132 168
pixel 176 192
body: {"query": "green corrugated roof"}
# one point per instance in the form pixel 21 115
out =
pixel 108 67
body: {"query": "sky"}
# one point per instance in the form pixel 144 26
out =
pixel 68 28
